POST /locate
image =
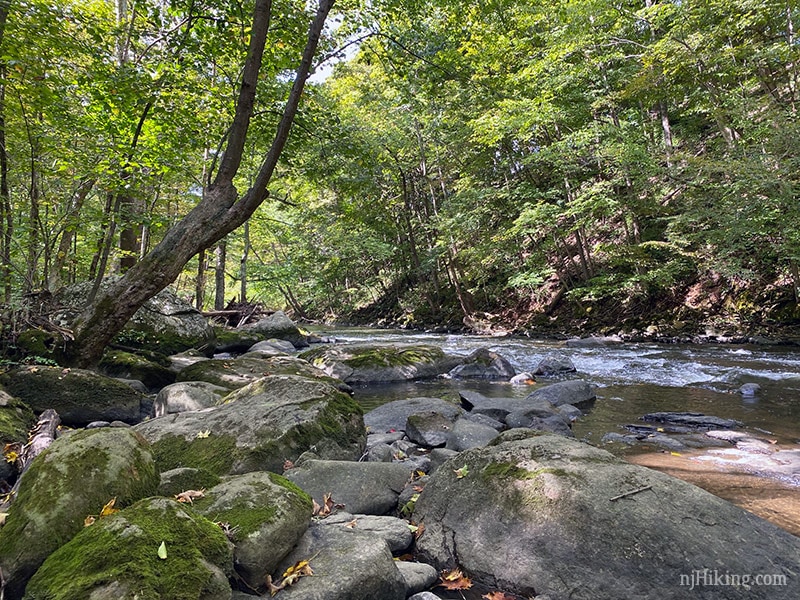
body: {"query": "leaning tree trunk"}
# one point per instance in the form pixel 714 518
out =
pixel 220 212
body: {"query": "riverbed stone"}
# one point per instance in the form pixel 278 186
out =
pixel 485 420
pixel 187 395
pixel 484 364
pixel 279 326
pixel 273 345
pixel 395 532
pixel 545 515
pixel 369 488
pixel 417 576
pixel 259 427
pixel 16 419
pixel 691 419
pixel 576 392
pixel 428 429
pixel 79 396
pixel 117 558
pixel 178 362
pixel 371 363
pixel 554 363
pixel 466 434
pixel 72 479
pixel 127 365
pixel 179 480
pixel 348 565
pixel 392 416
pixel 264 514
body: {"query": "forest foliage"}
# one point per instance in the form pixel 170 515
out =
pixel 629 161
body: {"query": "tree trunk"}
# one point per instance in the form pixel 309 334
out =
pixel 243 263
pixel 200 281
pixel 221 257
pixel 71 222
pixel 220 212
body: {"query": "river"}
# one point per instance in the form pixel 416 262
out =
pixel 637 378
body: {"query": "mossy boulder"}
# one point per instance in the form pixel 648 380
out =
pixel 265 514
pixel 239 372
pixel 117 558
pixel 484 364
pixel 164 324
pixel 259 427
pixel 175 481
pixel 278 326
pixel 235 341
pixel 79 396
pixel 552 516
pixel 369 363
pixel 74 478
pixel 126 365
pixel 16 419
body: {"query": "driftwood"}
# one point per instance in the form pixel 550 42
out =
pixel 40 437
pixel 631 493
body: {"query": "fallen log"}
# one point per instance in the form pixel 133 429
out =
pixel 40 437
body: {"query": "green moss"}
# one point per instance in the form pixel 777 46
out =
pixel 16 419
pixel 128 365
pixel 179 480
pixel 123 549
pixel 394 356
pixel 243 517
pixel 215 453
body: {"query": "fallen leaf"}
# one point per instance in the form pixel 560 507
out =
pixel 64 371
pixel 418 488
pixel 203 434
pixel 455 580
pixel 11 452
pixel 497 596
pixel 3 517
pixel 351 524
pixel 413 527
pixel 773 441
pixel 420 530
pixel 287 464
pixel 462 472
pixel 89 520
pixel 292 574
pixel 326 508
pixel 162 551
pixel 271 587
pixel 108 508
pixel 190 495
pixel 676 454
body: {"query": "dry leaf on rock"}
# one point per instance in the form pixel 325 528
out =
pixel 462 472
pixel 299 569
pixel 455 580
pixel 498 596
pixel 108 508
pixel 190 495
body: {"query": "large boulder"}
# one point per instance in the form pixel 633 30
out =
pixel 393 416
pixel 16 419
pixel 576 392
pixel 259 427
pixel 157 548
pixel 238 372
pixel 126 365
pixel 369 488
pixel 278 326
pixel 186 396
pixel 348 565
pixel 368 363
pixel 77 395
pixel 265 516
pixel 550 516
pixel 484 364
pixel 74 478
pixel 554 363
pixel 164 324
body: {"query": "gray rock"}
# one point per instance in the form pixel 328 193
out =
pixel 392 416
pixel 178 362
pixel 691 419
pixel 136 384
pixel 429 429
pixel 569 412
pixel 484 364
pixel 379 453
pixel 439 456
pixel 78 396
pixel 484 420
pixel 523 378
pixel 467 434
pixel 259 427
pixel 126 365
pixel 417 576
pixel 179 480
pixel 347 564
pixel 555 424
pixel 374 439
pixel 576 392
pixel 186 396
pixel 265 517
pixel 531 410
pixel 749 390
pixel 279 326
pixel 494 408
pixel 543 515
pixel 369 488
pixel 281 346
pixel 395 532
pixel 74 478
pixel 418 463
pixel 369 363
pixel 554 363
pixel 424 596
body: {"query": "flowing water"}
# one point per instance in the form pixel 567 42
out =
pixel 634 379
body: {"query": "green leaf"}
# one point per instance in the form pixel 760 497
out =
pixel 162 551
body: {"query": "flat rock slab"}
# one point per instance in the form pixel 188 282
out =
pixel 392 416
pixel 547 515
pixel 576 392
pixel 369 488
pixel 395 532
pixel 691 419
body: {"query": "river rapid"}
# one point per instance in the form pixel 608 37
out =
pixel 637 378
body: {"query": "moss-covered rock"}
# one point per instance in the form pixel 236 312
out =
pixel 265 514
pixel 187 395
pixel 118 558
pixel 164 324
pixel 175 481
pixel 74 478
pixel 16 419
pixel 127 365
pixel 79 396
pixel 239 372
pixel 368 363
pixel 278 326
pixel 259 427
